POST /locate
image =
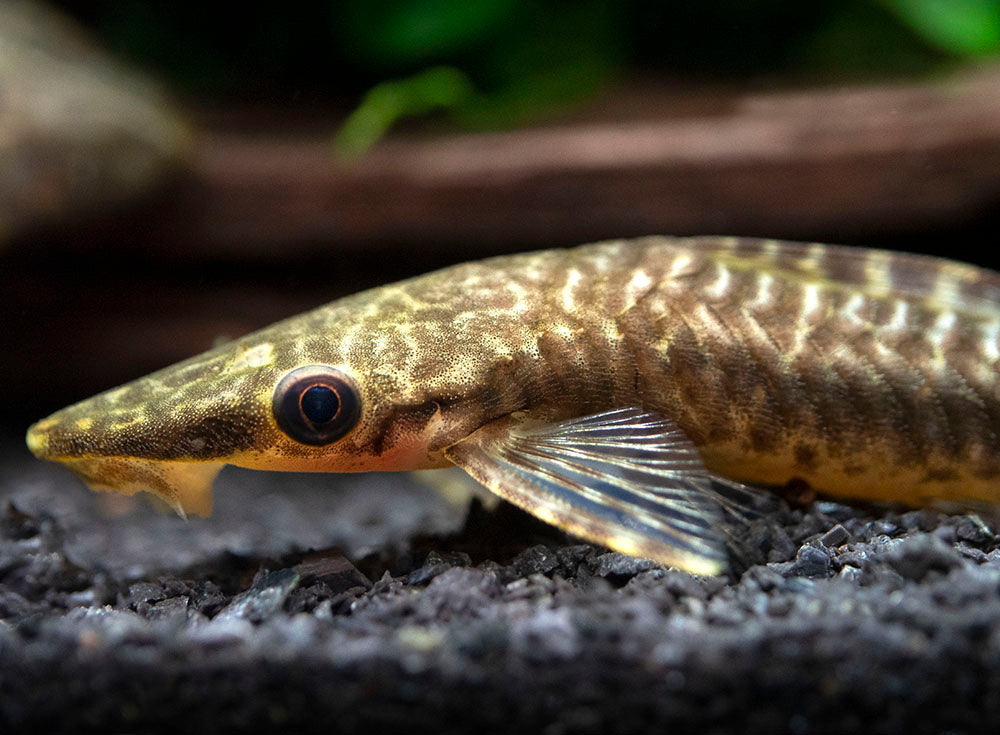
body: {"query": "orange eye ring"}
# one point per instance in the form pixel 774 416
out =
pixel 316 404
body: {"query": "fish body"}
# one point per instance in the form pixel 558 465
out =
pixel 601 387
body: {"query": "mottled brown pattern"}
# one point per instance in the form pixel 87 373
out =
pixel 863 373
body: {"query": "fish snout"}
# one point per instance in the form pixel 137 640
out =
pixel 63 436
pixel 37 439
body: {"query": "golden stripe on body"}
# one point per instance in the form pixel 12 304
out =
pixel 905 347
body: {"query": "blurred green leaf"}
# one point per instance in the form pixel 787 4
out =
pixel 555 55
pixel 959 27
pixel 441 87
pixel 561 54
pixel 414 31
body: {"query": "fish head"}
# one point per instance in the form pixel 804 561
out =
pixel 362 384
pixel 168 433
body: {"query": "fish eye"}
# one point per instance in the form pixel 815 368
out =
pixel 316 404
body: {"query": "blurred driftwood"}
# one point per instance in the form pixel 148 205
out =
pixel 837 163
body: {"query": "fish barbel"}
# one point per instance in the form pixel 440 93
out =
pixel 605 389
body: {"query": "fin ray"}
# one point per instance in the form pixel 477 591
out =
pixel 626 478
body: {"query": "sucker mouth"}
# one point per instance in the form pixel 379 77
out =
pixel 184 486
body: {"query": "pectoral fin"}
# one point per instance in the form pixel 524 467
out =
pixel 627 479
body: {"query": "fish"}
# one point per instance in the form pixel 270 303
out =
pixel 614 390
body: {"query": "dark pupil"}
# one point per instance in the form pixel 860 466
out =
pixel 320 404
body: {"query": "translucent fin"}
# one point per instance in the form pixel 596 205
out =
pixel 455 487
pixel 628 479
pixel 185 486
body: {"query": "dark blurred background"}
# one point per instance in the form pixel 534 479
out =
pixel 170 176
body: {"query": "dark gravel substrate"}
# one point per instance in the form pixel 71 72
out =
pixel 357 604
